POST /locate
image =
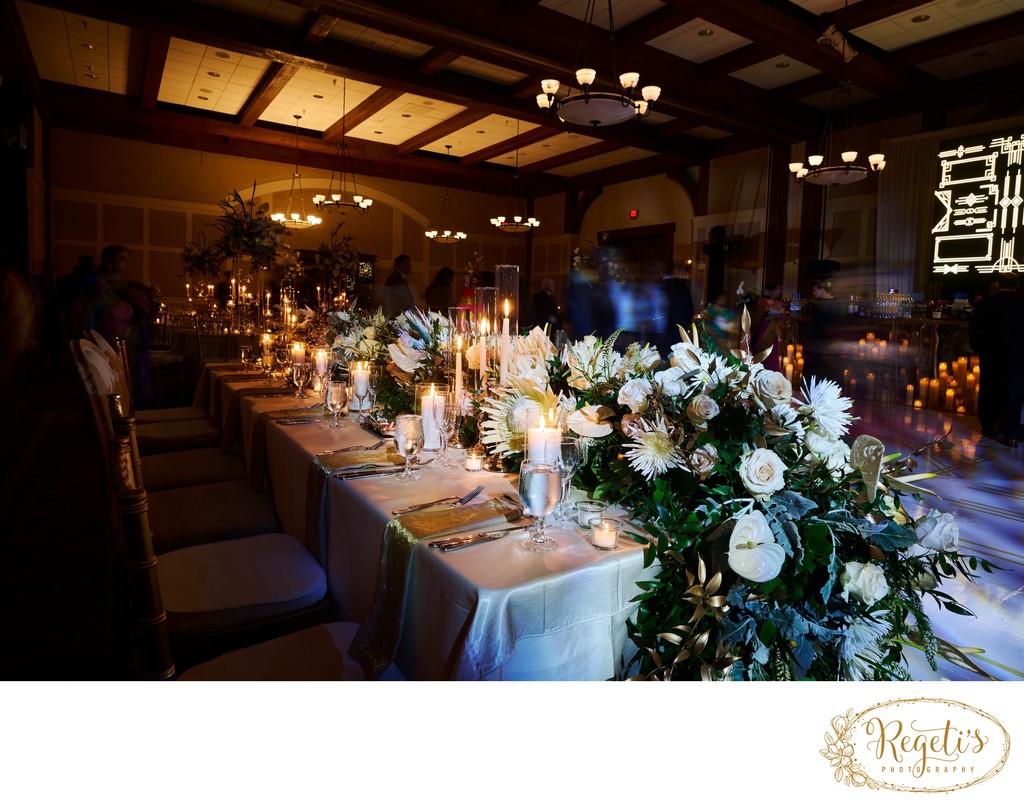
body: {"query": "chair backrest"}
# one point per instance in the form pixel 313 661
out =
pixel 213 336
pixel 151 646
pixel 102 376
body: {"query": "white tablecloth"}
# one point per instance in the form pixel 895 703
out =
pixel 492 611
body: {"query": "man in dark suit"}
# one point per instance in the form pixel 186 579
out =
pixel 545 307
pixel 397 295
pixel 989 333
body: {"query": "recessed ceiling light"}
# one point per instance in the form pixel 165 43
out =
pixel 706 32
pixel 428 103
pixel 509 157
pixel 979 53
pixel 88 46
pixel 317 96
pixel 205 89
pixel 480 131
pixel 222 55
pixel 213 73
pixel 545 145
pixel 202 98
pixel 406 115
pixel 378 132
pixel 782 65
pixel 921 18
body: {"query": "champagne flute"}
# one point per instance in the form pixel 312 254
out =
pixel 568 451
pixel 445 418
pixel 335 398
pixel 540 487
pixel 408 442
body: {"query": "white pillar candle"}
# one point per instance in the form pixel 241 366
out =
pixel 321 361
pixel 540 441
pixel 431 435
pixel 360 386
pixel 506 347
pixel 298 353
pixel 458 370
pixel 483 354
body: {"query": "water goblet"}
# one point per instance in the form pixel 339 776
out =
pixel 445 417
pixel 540 487
pixel 300 376
pixel 409 443
pixel 335 398
pixel 569 454
pixel 245 355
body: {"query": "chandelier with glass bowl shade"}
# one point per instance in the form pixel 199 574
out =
pixel 342 199
pixel 442 234
pixel 588 107
pixel 518 221
pixel 819 170
pixel 290 219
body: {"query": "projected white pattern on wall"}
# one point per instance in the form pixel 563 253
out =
pixel 979 210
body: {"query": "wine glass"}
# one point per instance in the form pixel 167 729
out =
pixel 540 487
pixel 245 355
pixel 408 442
pixel 445 418
pixel 335 398
pixel 268 364
pixel 568 451
pixel 282 360
pixel 360 379
pixel 300 376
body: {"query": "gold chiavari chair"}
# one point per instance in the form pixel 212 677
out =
pixel 212 597
pixel 214 336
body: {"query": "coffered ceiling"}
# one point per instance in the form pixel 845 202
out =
pixel 401 80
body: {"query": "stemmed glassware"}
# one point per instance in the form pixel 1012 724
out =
pixel 282 360
pixel 360 384
pixel 300 375
pixel 335 398
pixel 245 355
pixel 569 454
pixel 540 487
pixel 445 418
pixel 409 443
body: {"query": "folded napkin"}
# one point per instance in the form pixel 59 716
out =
pixel 320 470
pixel 377 640
pixel 258 444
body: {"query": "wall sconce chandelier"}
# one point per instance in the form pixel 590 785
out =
pixel 518 221
pixel 296 221
pixel 444 235
pixel 590 108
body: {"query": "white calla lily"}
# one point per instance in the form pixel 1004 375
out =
pixel 753 552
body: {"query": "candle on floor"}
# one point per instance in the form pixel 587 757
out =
pixel 918 404
pixel 910 394
pixel 788 370
pixel 933 394
pixel 861 348
pixel 790 352
pixel 943 368
pixel 871 385
pixel 923 388
pixel 540 441
pixel 950 400
pixel 431 435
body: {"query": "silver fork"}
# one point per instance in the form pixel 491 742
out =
pixel 374 447
pixel 451 500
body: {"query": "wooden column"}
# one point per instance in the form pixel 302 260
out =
pixel 776 235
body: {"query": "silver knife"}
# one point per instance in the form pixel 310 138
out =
pixel 478 538
pixel 373 473
pixel 403 510
pixel 441 543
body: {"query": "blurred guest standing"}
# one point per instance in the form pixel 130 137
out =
pixel 988 331
pixel 545 307
pixel 439 293
pixel 680 307
pixel 397 295
pixel 764 324
pixel 822 357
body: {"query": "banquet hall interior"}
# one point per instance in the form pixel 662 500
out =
pixel 205 197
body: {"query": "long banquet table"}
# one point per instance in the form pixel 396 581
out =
pixel 492 611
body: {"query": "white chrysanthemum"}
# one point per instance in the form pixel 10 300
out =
pixel 859 645
pixel 785 417
pixel 826 407
pixel 652 451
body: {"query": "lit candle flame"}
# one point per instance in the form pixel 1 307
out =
pixel 506 308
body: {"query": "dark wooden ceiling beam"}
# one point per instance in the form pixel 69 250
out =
pixel 746 56
pixel 505 146
pixel 540 42
pixel 15 52
pixel 794 34
pixel 319 28
pixel 156 58
pixel 434 60
pixel 457 121
pixel 868 11
pixel 85 110
pixel 976 36
pixel 568 157
pixel 274 80
pixel 651 26
pixel 361 113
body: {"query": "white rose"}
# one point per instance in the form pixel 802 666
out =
pixel 669 381
pixel 472 356
pixel 649 359
pixel 753 553
pixel 634 394
pixel 702 409
pixel 865 581
pixel 762 473
pixel 687 357
pixel 938 531
pixel 772 388
pixel 369 332
pixel 702 461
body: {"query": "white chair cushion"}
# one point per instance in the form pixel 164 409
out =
pixel 314 654
pixel 182 469
pixel 178 434
pixel 231 584
pixel 169 414
pixel 205 513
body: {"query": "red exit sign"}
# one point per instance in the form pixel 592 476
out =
pixel 634 214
